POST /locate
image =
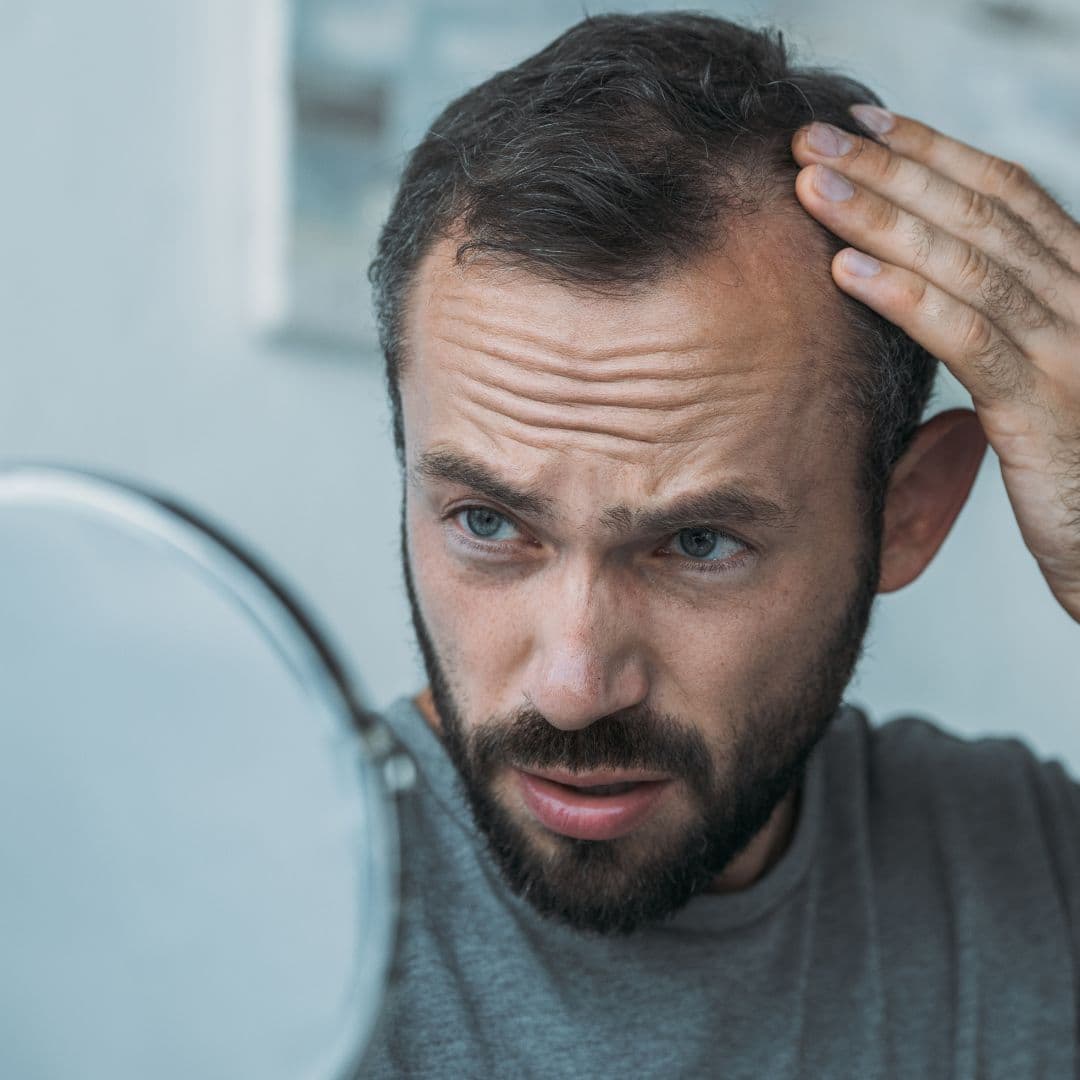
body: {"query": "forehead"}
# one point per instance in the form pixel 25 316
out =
pixel 727 366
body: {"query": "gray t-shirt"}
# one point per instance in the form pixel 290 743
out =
pixel 924 922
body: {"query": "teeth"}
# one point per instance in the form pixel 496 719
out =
pixel 608 789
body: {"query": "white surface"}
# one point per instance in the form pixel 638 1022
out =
pixel 125 343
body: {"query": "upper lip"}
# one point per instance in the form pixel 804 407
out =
pixel 595 779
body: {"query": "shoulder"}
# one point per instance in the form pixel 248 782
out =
pixel 967 852
pixel 995 774
pixel 921 746
pixel 915 753
pixel 989 801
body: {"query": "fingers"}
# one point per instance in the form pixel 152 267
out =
pixel 988 175
pixel 879 226
pixel 983 220
pixel 984 359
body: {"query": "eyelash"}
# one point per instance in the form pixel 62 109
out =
pixel 723 566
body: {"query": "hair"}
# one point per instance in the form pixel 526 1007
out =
pixel 618 153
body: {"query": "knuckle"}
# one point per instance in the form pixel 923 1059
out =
pixel 994 360
pixel 977 336
pixel 973 268
pixel 1033 314
pixel 891 166
pixel 1040 316
pixel 1005 177
pixel 884 215
pixel 1000 296
pixel 974 210
pixel 999 368
pixel 922 137
pixel 917 298
pixel 874 151
pixel 922 238
pixel 1020 236
pixel 1004 296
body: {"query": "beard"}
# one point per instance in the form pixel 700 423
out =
pixel 618 886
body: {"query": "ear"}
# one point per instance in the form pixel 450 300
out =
pixel 929 486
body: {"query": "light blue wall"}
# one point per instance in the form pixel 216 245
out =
pixel 126 340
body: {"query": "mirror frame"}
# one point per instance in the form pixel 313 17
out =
pixel 235 572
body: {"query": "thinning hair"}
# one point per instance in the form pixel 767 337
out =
pixel 627 147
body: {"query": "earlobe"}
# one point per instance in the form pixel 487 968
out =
pixel 928 488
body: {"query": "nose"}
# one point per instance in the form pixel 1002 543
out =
pixel 587 661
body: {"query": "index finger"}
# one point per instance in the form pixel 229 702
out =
pixel 979 171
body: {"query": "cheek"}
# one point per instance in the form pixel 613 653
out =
pixel 713 653
pixel 805 615
pixel 747 646
pixel 706 659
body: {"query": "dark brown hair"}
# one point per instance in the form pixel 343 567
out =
pixel 618 153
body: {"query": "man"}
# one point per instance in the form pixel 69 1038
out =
pixel 658 348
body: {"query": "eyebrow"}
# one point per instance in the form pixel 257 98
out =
pixel 731 503
pixel 457 468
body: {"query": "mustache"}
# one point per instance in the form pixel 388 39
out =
pixel 635 738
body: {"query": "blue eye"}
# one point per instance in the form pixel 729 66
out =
pixel 705 545
pixel 485 524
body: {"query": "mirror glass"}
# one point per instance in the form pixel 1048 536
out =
pixel 197 827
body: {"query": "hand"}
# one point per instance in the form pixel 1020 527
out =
pixel 972 259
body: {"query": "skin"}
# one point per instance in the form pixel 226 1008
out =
pixel 719 374
pixel 979 264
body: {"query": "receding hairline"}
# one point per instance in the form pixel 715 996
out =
pixel 808 244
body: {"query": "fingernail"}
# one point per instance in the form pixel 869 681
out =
pixel 855 262
pixel 828 140
pixel 875 118
pixel 832 185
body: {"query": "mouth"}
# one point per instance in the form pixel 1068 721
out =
pixel 593 806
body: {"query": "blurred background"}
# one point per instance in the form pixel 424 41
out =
pixel 189 193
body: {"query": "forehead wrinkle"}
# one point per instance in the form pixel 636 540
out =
pixel 465 310
pixel 625 450
pixel 640 426
pixel 589 369
pixel 630 393
pixel 526 323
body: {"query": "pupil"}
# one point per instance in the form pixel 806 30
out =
pixel 698 542
pixel 483 522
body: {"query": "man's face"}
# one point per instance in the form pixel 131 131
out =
pixel 633 543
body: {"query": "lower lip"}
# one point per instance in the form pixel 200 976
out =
pixel 589 817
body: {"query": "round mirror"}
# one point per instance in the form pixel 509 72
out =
pixel 198 836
